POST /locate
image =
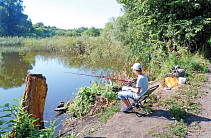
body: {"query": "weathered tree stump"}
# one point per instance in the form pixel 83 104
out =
pixel 35 97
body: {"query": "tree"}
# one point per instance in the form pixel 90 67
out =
pixel 3 18
pixel 92 32
pixel 12 20
pixel 185 23
pixel 116 29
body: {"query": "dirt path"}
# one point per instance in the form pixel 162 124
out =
pixel 205 117
pixel 129 125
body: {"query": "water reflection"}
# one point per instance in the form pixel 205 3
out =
pixel 13 70
pixel 15 66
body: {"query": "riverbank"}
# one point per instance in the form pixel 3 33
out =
pixel 158 68
pixel 159 123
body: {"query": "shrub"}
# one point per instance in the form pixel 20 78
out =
pixel 92 100
pixel 177 113
pixel 22 123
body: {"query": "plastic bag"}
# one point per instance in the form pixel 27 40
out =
pixel 171 82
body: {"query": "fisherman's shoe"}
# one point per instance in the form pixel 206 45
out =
pixel 127 109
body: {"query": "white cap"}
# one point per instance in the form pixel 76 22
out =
pixel 136 66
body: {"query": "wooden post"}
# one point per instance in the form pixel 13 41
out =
pixel 35 97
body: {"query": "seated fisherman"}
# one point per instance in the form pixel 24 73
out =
pixel 134 92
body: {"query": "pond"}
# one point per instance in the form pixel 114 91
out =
pixel 14 67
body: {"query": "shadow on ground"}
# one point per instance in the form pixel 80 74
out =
pixel 166 114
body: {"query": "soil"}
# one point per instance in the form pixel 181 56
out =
pixel 132 125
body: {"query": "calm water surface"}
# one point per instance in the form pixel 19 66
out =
pixel 15 66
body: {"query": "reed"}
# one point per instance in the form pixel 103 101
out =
pixel 11 41
pixel 155 58
pixel 95 48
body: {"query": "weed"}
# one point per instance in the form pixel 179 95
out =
pixel 192 107
pixel 93 128
pixel 92 100
pixel 173 129
pixel 104 116
pixel 196 128
pixel 22 123
pixel 151 99
pixel 9 41
pixel 177 113
pixel 180 105
pixel 147 109
pixel 179 129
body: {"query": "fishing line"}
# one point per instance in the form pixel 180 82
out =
pixel 93 76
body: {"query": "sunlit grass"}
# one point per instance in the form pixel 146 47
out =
pixel 11 41
pixel 173 129
pixel 95 48
pixel 156 62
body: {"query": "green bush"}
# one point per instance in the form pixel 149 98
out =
pixel 22 123
pixel 91 100
pixel 177 113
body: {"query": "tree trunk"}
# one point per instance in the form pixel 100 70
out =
pixel 35 97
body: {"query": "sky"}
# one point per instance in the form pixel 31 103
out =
pixel 70 14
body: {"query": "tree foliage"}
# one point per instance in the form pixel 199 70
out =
pixel 40 30
pixel 183 22
pixel 12 20
pixel 14 23
pixel 92 32
pixel 116 29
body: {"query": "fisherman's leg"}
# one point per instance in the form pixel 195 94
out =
pixel 125 94
pixel 126 102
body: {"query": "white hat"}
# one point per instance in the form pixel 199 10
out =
pixel 136 66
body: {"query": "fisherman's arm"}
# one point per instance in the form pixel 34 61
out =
pixel 136 90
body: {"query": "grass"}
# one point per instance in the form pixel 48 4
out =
pixel 101 50
pixel 161 63
pixel 6 49
pixel 169 130
pixel 11 41
pixel 180 105
pixel 96 100
pixel 104 116
pixel 92 47
pixel 93 128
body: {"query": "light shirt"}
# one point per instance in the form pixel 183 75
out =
pixel 142 82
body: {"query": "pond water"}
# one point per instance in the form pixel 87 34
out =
pixel 14 67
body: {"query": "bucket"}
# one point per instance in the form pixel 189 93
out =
pixel 181 80
pixel 180 72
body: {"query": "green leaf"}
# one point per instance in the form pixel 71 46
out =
pixel 15 100
pixel 8 115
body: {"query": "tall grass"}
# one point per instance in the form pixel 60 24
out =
pixel 95 48
pixel 11 41
pixel 156 60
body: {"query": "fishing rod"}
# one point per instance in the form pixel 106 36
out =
pixel 94 76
